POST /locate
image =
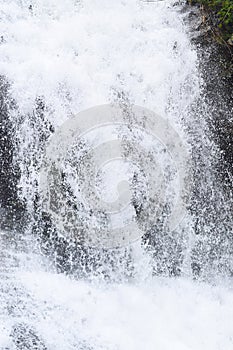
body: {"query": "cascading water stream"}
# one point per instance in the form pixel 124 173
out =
pixel 61 58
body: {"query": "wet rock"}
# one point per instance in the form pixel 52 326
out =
pixel 25 337
pixel 11 207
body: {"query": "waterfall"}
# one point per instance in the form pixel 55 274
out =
pixel 108 70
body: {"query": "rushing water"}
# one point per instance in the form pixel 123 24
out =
pixel 63 57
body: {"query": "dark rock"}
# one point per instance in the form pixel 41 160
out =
pixel 12 209
pixel 25 338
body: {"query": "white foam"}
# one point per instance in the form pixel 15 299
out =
pixel 159 314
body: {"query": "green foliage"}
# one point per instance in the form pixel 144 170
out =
pixel 224 13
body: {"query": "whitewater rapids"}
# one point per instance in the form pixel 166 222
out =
pixel 156 313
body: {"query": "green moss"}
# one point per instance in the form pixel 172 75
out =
pixel 223 12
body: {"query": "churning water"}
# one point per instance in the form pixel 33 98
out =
pixel 65 57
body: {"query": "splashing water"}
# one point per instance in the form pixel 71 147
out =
pixel 64 57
